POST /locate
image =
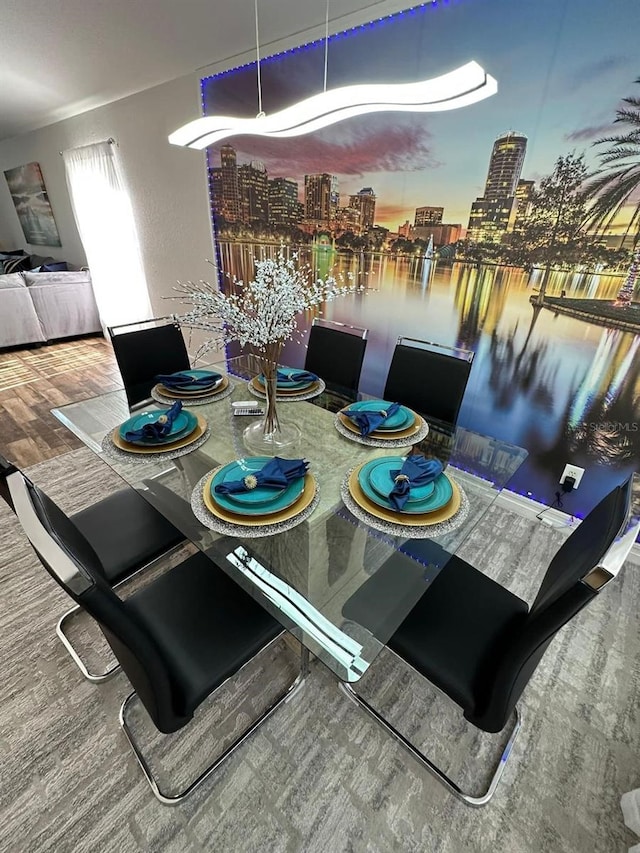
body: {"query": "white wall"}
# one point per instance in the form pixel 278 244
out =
pixel 7 229
pixel 167 184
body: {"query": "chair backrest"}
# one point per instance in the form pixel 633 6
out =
pixel 430 381
pixel 6 468
pixel 591 557
pixel 143 353
pixel 336 352
pixel 72 562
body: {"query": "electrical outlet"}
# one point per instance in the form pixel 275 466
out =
pixel 572 471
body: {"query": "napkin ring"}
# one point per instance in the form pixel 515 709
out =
pixel 162 420
pixel 250 481
pixel 400 478
pixel 383 413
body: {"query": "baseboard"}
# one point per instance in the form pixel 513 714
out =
pixel 552 517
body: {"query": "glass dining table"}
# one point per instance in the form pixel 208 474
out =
pixel 306 575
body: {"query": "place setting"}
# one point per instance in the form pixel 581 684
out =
pixel 292 385
pixel 379 423
pixel 167 433
pixel 256 496
pixel 195 387
pixel 408 496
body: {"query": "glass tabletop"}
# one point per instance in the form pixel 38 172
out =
pixel 305 576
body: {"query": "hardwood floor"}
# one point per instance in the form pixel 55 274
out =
pixel 35 380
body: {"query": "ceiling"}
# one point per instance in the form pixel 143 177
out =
pixel 65 57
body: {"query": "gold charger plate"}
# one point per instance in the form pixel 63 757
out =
pixel 385 435
pixel 406 519
pixel 280 392
pixel 187 395
pixel 198 432
pixel 302 503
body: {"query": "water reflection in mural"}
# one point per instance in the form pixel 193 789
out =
pixel 565 389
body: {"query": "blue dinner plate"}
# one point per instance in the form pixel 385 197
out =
pixel 402 419
pixel 216 379
pixel 439 497
pixel 288 383
pixel 379 477
pixel 183 425
pixel 258 501
pixel 237 471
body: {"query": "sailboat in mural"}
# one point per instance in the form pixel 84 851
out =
pixel 428 252
pixel 427 267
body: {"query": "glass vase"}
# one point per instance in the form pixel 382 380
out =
pixel 270 435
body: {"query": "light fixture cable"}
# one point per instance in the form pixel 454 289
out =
pixel 260 110
pixel 326 45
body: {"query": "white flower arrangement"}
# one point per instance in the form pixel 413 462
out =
pixel 262 312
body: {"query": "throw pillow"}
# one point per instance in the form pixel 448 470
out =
pixel 10 265
pixel 38 260
pixel 59 266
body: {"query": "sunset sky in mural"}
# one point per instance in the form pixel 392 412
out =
pixel 560 77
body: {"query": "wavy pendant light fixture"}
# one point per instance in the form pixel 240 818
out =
pixel 465 85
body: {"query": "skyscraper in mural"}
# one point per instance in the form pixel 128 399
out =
pixel 223 185
pixel 428 216
pixel 492 214
pixel 320 198
pixel 253 191
pixel 284 207
pixel 523 205
pixel 505 166
pixel 230 198
pixel 364 202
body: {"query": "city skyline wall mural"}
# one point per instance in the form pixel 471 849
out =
pixel 472 228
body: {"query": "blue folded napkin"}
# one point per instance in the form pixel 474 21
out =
pixel 158 428
pixel 368 421
pixel 276 474
pixel 179 380
pixel 296 376
pixel 416 471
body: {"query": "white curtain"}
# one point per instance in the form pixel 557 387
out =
pixel 104 217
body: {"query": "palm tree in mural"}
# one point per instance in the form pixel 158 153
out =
pixel 553 233
pixel 617 183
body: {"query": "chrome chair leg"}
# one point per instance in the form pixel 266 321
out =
pixel 451 786
pixel 172 800
pixel 93 677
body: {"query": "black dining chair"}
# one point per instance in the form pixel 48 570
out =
pixel 128 535
pixel 143 353
pixel 430 378
pixel 178 639
pixel 335 352
pixel 479 643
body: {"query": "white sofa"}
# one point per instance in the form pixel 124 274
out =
pixel 19 322
pixel 43 306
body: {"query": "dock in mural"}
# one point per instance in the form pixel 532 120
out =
pixel 602 312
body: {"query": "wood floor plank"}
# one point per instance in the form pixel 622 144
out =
pixel 37 379
pixel 18 410
pixel 11 429
pixel 24 452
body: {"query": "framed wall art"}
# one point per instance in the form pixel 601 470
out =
pixel 31 201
